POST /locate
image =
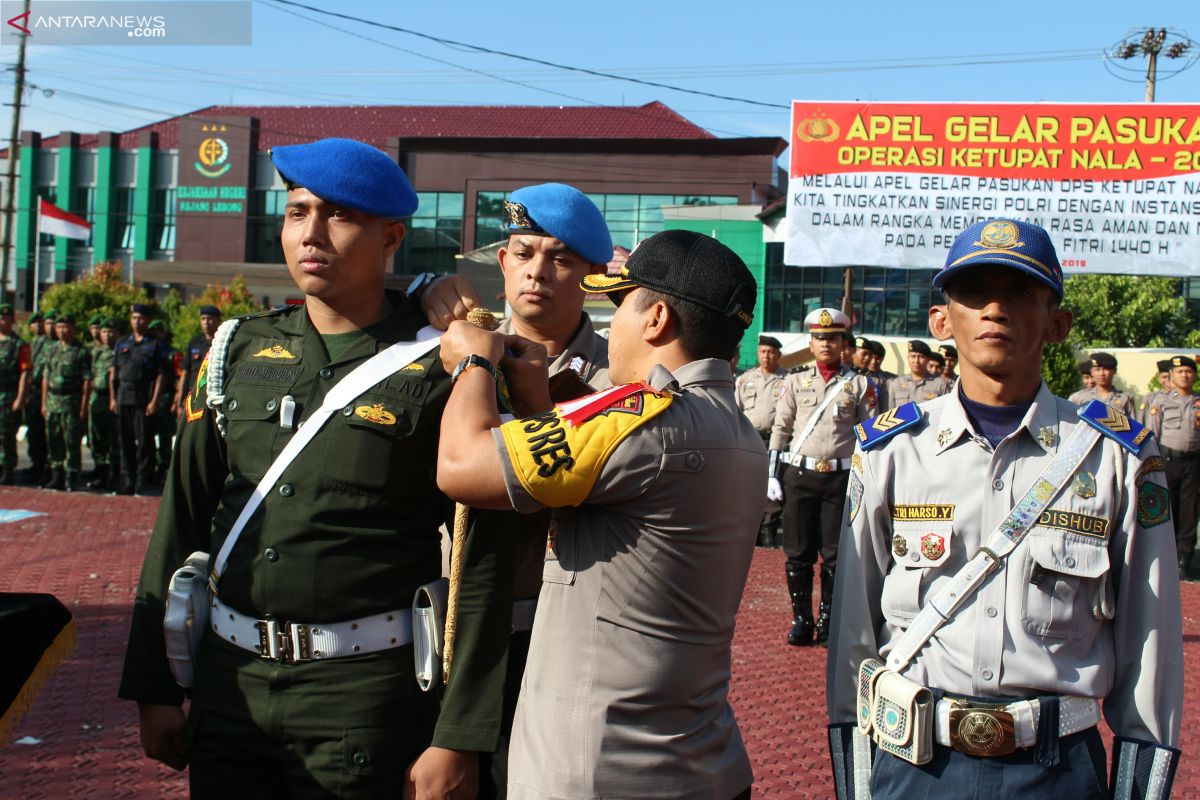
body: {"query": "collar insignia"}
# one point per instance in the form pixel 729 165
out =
pixel 944 436
pixel 1047 436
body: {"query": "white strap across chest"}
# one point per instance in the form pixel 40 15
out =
pixel 815 417
pixel 372 371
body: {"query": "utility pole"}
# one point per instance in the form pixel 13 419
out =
pixel 1172 44
pixel 10 181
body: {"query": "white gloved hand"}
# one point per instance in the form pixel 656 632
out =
pixel 774 490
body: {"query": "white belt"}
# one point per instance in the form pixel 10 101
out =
pixel 815 464
pixel 293 642
pixel 522 614
pixel 1075 714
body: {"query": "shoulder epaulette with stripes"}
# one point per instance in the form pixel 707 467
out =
pixel 1129 433
pixel 883 427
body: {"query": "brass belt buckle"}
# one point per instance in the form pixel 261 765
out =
pixel 824 465
pixel 982 730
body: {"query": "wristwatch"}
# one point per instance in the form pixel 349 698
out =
pixel 473 360
pixel 421 283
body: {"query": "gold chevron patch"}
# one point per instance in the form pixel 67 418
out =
pixel 274 351
pixel 886 421
pixel 1115 421
pixel 413 367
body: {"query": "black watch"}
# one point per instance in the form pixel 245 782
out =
pixel 473 360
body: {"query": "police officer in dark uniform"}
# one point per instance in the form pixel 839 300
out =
pixel 135 390
pixel 164 421
pixel 35 423
pixel 197 349
pixel 15 365
pixel 339 544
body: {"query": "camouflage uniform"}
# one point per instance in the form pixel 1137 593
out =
pixel 35 423
pixel 14 360
pixel 68 371
pixel 102 422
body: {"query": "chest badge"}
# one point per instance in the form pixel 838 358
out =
pixel 807 382
pixel 933 546
pixel 274 351
pixel 413 367
pixel 899 546
pixel 376 413
pixel 1084 484
pixel 1047 436
pixel 944 436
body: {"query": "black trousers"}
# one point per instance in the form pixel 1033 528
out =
pixel 812 515
pixel 137 444
pixel 1183 484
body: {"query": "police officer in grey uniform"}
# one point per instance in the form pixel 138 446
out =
pixel 1036 636
pixel 1174 416
pixel 658 493
pixel 813 438
pixel 917 386
pixel 1103 367
pixel 757 392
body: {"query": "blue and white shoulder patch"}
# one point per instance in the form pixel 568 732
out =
pixel 1129 433
pixel 883 427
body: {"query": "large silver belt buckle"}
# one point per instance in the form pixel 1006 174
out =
pixel 283 642
pixel 980 730
pixel 824 465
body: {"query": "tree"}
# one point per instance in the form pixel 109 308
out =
pixel 100 291
pixel 1118 311
pixel 183 319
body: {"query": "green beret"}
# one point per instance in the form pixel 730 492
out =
pixel 34 317
pixel 95 320
pixel 156 325
pixel 51 314
pixel 6 310
pixel 108 322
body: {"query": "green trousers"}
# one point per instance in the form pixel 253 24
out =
pixel 346 728
pixel 10 421
pixel 64 436
pixel 102 431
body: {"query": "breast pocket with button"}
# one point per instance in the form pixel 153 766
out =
pixel 369 429
pixel 1063 575
pixel 920 550
pixel 251 415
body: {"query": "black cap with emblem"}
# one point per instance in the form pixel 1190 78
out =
pixel 690 266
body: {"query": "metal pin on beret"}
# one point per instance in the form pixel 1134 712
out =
pixel 918 346
pixel 1009 243
pixel 863 342
pixel 948 350
pixel 563 212
pixel 1104 360
pixel 1182 361
pixel 687 265
pixel 349 173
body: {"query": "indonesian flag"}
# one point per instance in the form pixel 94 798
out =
pixel 57 222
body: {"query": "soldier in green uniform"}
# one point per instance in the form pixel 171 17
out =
pixel 15 363
pixel 66 388
pixel 165 420
pixel 102 422
pixel 332 557
pixel 94 330
pixel 35 423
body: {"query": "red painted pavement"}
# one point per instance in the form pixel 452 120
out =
pixel 87 551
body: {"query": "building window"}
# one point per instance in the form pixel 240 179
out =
pixel 434 234
pixel 85 206
pixel 630 217
pixel 266 225
pixel 122 218
pixel 162 220
pixel 887 302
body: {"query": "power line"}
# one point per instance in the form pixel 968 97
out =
pixel 528 59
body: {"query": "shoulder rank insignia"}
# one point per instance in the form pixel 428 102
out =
pixel 877 429
pixel 558 455
pixel 1129 433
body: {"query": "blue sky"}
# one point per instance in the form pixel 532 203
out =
pixel 770 53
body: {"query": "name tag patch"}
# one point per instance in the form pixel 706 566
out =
pixel 1083 524
pixel 926 511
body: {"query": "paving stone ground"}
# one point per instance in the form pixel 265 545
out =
pixel 87 549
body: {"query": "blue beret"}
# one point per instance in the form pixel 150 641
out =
pixel 1009 243
pixel 211 311
pixel 349 173
pixel 564 212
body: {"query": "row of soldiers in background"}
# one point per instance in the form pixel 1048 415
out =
pixel 807 420
pixel 1173 414
pixel 123 393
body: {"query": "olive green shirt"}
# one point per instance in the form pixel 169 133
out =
pixel 352 526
